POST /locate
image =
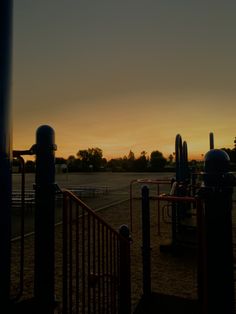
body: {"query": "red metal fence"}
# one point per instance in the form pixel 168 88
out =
pixel 96 262
pixel 92 260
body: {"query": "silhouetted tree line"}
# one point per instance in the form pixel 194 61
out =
pixel 232 156
pixel 92 159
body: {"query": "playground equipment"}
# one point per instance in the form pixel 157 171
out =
pixel 213 227
pixel 159 183
pixel 186 183
pixel 216 248
pixel 183 211
pixel 96 257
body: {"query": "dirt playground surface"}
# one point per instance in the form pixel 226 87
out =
pixel 173 275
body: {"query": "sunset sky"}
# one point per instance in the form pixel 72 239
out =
pixel 125 74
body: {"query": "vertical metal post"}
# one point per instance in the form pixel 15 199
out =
pixel 5 148
pixel 146 250
pixel 178 209
pixel 185 162
pixel 211 138
pixel 44 219
pixel 217 255
pixel 125 272
pixel 178 158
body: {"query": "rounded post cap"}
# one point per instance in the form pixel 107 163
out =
pixel 124 231
pixel 216 161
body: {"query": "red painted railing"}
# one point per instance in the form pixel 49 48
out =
pixel 96 262
pixel 158 183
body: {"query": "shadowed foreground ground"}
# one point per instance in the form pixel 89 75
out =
pixel 171 275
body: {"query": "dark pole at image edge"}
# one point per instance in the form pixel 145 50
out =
pixel 5 147
pixel 45 219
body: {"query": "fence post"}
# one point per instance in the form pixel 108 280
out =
pixel 5 149
pixel 146 250
pixel 44 219
pixel 216 257
pixel 125 272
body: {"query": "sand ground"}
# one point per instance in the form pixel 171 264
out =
pixel 176 275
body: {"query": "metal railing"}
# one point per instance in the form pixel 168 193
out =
pixel 96 262
pixel 159 183
pixel 19 271
pixel 17 266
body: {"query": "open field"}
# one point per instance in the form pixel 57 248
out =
pixel 111 188
pixel 118 183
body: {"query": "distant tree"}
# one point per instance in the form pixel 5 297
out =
pixel 157 161
pixel 231 153
pixel 104 164
pixel 232 156
pixel 116 164
pixel 70 158
pixel 128 162
pixel 131 155
pixel 170 159
pixel 73 164
pixel 60 160
pixel 124 163
pixel 141 163
pixel 83 156
pixel 90 158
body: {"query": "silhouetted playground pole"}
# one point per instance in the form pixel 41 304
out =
pixel 186 173
pixel 44 219
pixel 5 148
pixel 125 276
pixel 211 139
pixel 178 210
pixel 217 277
pixel 179 158
pixel 146 250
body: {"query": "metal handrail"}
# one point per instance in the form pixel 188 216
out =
pixel 96 262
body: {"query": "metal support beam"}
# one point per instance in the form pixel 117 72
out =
pixel 5 148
